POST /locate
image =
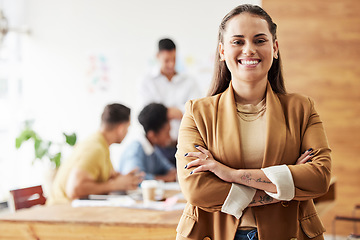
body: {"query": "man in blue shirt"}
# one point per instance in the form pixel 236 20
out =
pixel 144 153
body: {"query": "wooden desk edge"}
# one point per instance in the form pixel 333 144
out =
pixel 118 224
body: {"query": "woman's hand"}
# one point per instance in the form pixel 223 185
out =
pixel 206 162
pixel 305 157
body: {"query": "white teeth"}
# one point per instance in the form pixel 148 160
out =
pixel 249 62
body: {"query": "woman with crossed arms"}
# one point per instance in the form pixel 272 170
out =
pixel 238 149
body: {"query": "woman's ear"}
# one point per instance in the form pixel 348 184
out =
pixel 276 49
pixel 221 52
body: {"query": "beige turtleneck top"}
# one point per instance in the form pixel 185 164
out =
pixel 252 120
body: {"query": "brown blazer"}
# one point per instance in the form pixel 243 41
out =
pixel 293 126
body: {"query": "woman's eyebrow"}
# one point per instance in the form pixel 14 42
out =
pixel 238 36
pixel 260 35
pixel 242 36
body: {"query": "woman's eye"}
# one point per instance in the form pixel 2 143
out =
pixel 237 42
pixel 260 41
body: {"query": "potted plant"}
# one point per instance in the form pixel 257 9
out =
pixel 45 150
pixel 42 148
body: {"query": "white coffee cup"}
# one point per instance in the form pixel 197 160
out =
pixel 160 191
pixel 148 190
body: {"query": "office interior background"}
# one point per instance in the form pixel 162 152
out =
pixel 62 61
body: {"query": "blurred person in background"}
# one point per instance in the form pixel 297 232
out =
pixel 144 153
pixel 167 86
pixel 89 170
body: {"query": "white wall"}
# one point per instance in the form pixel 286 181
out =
pixel 57 73
pixel 65 33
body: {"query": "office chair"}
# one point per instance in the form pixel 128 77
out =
pixel 28 197
pixel 353 218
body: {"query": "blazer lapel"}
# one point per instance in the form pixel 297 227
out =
pixel 276 129
pixel 228 130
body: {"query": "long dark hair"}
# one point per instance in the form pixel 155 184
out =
pixel 222 75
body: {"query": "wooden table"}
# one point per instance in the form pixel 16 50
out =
pixel 65 222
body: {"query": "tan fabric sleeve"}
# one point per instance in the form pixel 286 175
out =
pixel 312 179
pixel 204 190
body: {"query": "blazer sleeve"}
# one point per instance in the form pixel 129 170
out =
pixel 312 179
pixel 204 190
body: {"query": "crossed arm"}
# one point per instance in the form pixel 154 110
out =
pixel 254 178
pixel 206 187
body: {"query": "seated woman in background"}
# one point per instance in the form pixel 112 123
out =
pixel 144 153
pixel 238 149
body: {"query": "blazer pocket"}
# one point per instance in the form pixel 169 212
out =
pixel 312 226
pixel 186 225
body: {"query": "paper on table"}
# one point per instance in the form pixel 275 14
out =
pixel 126 201
pixel 105 197
pixel 118 201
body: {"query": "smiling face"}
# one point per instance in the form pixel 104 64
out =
pixel 248 48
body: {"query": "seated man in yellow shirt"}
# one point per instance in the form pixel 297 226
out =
pixel 89 170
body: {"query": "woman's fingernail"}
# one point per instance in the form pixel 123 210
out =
pixel 191 172
pixel 186 154
pixel 196 146
pixel 310 149
pixel 185 166
pixel 309 160
pixel 311 154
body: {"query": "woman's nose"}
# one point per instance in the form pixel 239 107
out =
pixel 248 50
